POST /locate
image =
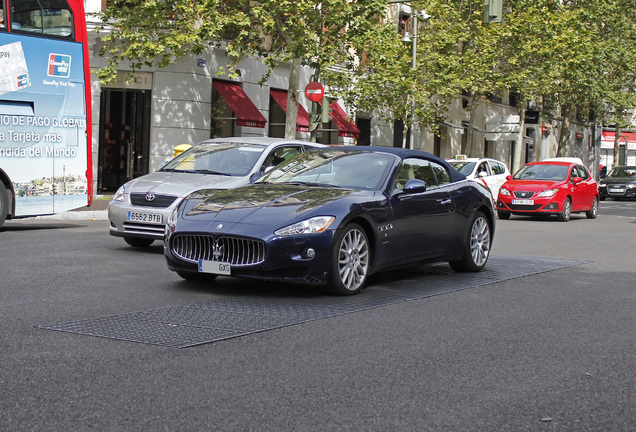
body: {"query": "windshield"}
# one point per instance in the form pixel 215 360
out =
pixel 465 168
pixel 543 172
pixel 626 171
pixel 233 159
pixel 334 168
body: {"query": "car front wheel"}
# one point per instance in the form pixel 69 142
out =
pixel 477 247
pixel 566 214
pixel 138 242
pixel 349 261
pixel 503 215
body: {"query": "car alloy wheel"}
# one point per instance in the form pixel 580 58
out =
pixel 350 261
pixel 477 248
pixel 566 214
pixel 480 241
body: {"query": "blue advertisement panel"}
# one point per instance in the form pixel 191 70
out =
pixel 43 146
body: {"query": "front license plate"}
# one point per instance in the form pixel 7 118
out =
pixel 145 217
pixel 214 267
pixel 617 190
pixel 523 202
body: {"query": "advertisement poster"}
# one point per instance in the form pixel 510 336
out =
pixel 43 123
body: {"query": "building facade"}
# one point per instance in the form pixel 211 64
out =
pixel 137 122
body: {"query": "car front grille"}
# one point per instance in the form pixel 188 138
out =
pixel 162 201
pixel 143 228
pixel 523 194
pixel 233 250
pixel 517 207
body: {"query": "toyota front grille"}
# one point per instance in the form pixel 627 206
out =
pixel 151 200
pixel 233 250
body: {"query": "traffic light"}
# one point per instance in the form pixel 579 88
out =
pixel 492 11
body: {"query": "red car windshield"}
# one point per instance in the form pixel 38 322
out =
pixel 543 172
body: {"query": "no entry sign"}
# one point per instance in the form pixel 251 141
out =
pixel 314 91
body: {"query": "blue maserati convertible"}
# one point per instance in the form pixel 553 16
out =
pixel 333 216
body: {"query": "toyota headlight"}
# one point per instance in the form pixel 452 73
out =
pixel 548 193
pixel 309 226
pixel 119 195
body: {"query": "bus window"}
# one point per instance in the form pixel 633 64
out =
pixel 45 17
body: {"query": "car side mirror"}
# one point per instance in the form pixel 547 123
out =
pixel 508 177
pixel 414 186
pixel 255 176
pixel 577 180
pixel 483 174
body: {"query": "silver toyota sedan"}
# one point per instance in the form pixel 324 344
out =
pixel 140 208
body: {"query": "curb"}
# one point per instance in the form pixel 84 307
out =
pixel 91 215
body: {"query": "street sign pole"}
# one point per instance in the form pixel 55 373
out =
pixel 314 91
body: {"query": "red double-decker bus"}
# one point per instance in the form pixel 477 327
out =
pixel 45 114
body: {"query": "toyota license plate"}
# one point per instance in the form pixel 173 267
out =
pixel 522 202
pixel 145 217
pixel 214 267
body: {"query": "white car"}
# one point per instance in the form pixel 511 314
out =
pixel 141 207
pixel 491 172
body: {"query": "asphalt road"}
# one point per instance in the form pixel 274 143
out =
pixel 550 352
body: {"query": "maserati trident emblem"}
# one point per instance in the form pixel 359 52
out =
pixel 150 196
pixel 217 250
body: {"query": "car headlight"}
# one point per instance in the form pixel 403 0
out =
pixel 172 220
pixel 632 185
pixel 119 195
pixel 504 192
pixel 548 193
pixel 309 226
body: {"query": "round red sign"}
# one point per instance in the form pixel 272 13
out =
pixel 314 91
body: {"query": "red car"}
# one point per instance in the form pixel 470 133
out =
pixel 549 188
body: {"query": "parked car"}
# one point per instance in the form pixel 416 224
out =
pixel 140 208
pixel 549 188
pixel 332 217
pixel 491 172
pixel 619 183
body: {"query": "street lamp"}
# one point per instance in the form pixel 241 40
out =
pixel 413 39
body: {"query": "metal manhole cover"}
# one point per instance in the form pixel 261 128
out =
pixel 219 319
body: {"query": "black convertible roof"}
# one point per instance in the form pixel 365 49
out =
pixel 407 153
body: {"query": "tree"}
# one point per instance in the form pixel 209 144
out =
pixel 318 34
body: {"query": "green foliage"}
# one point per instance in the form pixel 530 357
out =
pixel 574 56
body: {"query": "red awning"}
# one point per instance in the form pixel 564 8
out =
pixel 607 140
pixel 246 112
pixel 302 118
pixel 346 127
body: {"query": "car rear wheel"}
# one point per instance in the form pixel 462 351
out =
pixel 350 261
pixel 503 215
pixel 477 246
pixel 138 242
pixel 593 212
pixel 196 277
pixel 566 214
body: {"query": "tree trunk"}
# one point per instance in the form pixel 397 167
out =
pixel 471 129
pixel 564 137
pixel 292 100
pixel 617 148
pixel 518 150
